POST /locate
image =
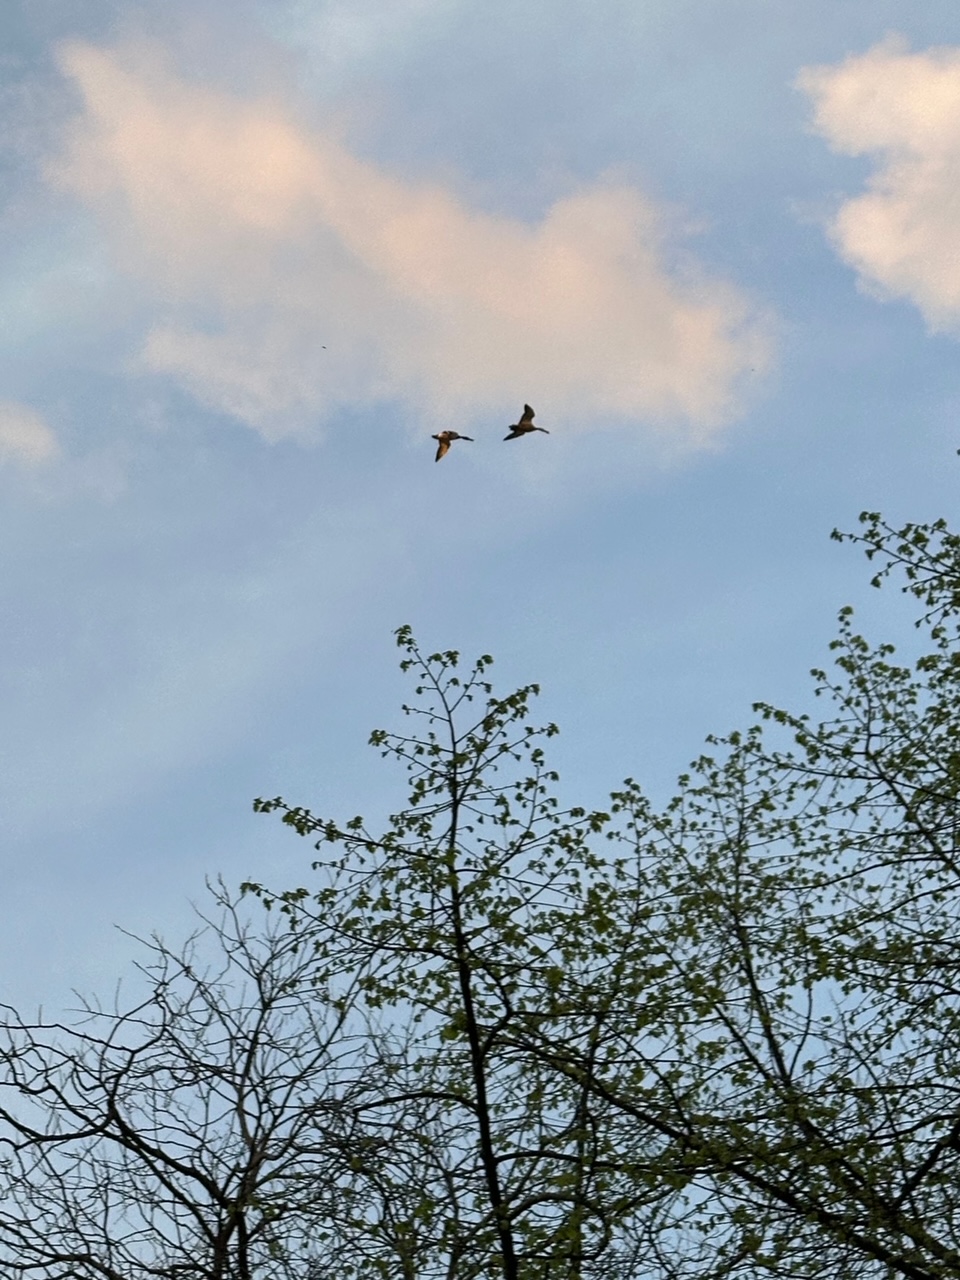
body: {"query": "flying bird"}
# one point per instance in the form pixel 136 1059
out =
pixel 525 426
pixel 445 438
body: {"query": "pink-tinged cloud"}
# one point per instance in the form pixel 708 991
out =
pixel 283 242
pixel 903 234
pixel 24 435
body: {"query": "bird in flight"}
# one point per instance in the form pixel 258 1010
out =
pixel 524 426
pixel 445 438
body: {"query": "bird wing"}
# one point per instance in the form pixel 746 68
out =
pixel 442 447
pixel 527 414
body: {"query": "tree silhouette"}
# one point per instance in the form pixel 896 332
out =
pixel 500 1035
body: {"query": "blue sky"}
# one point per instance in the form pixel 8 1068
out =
pixel 716 247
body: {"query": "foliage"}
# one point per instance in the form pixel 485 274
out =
pixel 713 1040
pixel 506 1037
pixel 448 920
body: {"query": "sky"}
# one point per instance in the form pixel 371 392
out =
pixel 253 255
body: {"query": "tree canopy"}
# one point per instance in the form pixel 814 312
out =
pixel 523 1039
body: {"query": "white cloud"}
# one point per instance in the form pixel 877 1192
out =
pixel 264 240
pixel 903 234
pixel 25 436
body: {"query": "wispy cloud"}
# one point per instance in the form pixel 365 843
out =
pixel 263 240
pixel 903 234
pixel 25 436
